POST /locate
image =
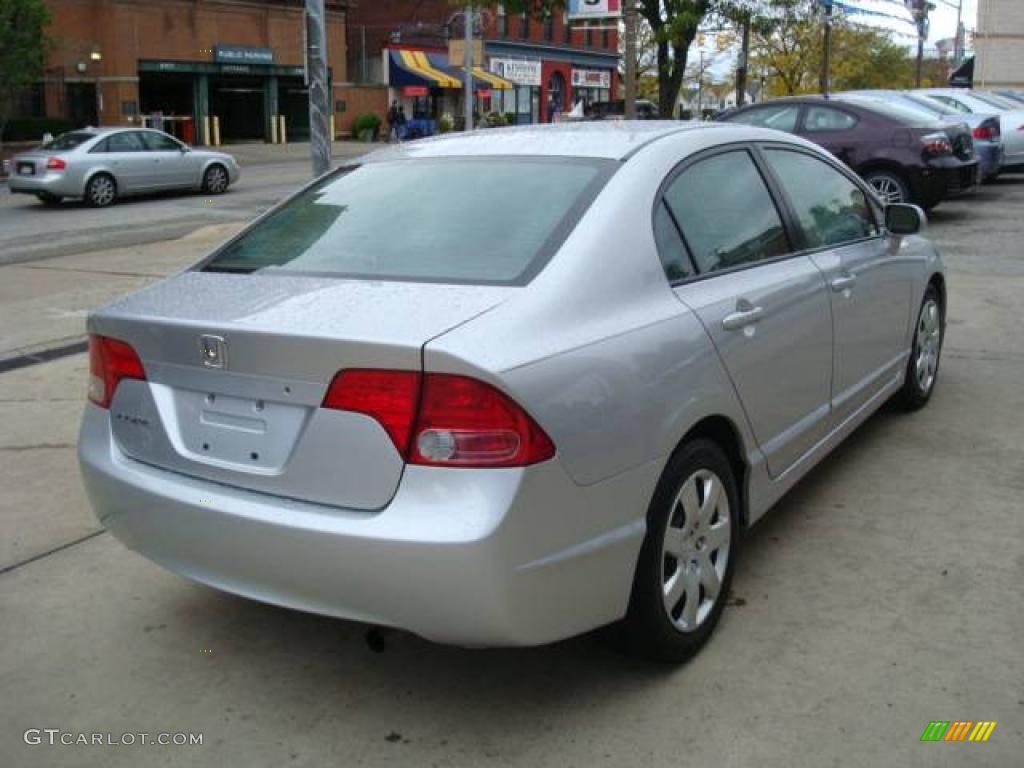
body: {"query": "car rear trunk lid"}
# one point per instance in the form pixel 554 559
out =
pixel 237 367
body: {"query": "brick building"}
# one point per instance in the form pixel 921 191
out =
pixel 999 44
pixel 115 61
pixel 549 63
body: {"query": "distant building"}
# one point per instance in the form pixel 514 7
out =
pixel 176 62
pixel 541 66
pixel 999 44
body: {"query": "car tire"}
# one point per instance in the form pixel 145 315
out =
pixel 889 185
pixel 923 367
pixel 48 199
pixel 101 191
pixel 691 527
pixel 215 180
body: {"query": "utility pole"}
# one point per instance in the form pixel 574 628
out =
pixel 826 62
pixel 467 64
pixel 700 87
pixel 319 100
pixel 741 70
pixel 629 97
pixel 920 10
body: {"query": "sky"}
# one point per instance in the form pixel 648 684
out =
pixel 943 18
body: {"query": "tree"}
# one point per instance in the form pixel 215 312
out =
pixel 22 51
pixel 674 23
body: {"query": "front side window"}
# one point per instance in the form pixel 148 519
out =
pixel 159 142
pixel 424 220
pixel 781 117
pixel 828 119
pixel 832 210
pixel 726 212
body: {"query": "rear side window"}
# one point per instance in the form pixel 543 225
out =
pixel 158 142
pixel 832 209
pixel 129 141
pixel 726 212
pixel 671 248
pixel 821 119
pixel 781 117
pixel 481 220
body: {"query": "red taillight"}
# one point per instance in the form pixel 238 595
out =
pixel 985 132
pixel 56 164
pixel 937 144
pixel 390 397
pixel 441 419
pixel 110 361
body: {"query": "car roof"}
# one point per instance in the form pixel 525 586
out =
pixel 595 139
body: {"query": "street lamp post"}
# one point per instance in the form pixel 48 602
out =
pixel 319 101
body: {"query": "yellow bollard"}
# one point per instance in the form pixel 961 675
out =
pixel 206 131
pixel 283 130
pixel 273 129
pixel 332 128
pixel 216 131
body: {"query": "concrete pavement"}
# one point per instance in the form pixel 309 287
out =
pixel 881 594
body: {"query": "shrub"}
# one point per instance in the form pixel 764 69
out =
pixel 445 123
pixel 366 123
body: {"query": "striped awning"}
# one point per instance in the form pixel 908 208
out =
pixel 415 68
pixel 490 80
pixel 482 79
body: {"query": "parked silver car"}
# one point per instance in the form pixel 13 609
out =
pixel 1011 116
pixel 505 387
pixel 101 164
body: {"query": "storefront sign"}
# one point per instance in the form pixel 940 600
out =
pixel 483 93
pixel 591 78
pixel 519 71
pixel 595 9
pixel 415 90
pixel 242 54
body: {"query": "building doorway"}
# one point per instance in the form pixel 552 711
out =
pixel 81 104
pixel 293 101
pixel 238 102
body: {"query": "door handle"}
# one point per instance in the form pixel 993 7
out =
pixel 843 283
pixel 742 318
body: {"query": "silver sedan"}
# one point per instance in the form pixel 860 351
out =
pixel 101 164
pixel 506 387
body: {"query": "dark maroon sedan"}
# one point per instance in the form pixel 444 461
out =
pixel 904 155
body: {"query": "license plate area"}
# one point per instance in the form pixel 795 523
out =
pixel 26 169
pixel 247 433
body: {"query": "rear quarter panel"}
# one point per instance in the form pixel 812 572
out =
pixel 598 348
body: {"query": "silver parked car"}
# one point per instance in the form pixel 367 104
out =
pixel 101 164
pixel 508 386
pixel 1010 113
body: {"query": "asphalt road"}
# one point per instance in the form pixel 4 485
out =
pixel 31 231
pixel 883 593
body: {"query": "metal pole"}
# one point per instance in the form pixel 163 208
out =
pixel 700 88
pixel 629 97
pixel 959 47
pixel 467 63
pixel 742 69
pixel 319 101
pixel 826 63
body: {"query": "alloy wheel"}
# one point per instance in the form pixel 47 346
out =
pixel 929 340
pixel 695 550
pixel 101 191
pixel 888 189
pixel 216 180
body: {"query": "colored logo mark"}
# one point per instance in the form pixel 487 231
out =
pixel 958 730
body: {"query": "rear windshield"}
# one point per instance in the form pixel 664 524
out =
pixel 481 220
pixel 69 140
pixel 900 111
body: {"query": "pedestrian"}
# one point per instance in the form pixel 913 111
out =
pixel 393 121
pixel 401 123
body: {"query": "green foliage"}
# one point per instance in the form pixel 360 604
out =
pixel 367 121
pixel 23 47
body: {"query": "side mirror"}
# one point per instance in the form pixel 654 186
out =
pixel 904 219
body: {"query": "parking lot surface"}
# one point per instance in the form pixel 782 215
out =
pixel 882 594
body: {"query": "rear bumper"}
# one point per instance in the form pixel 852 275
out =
pixel 53 183
pixel 990 157
pixel 944 178
pixel 482 557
